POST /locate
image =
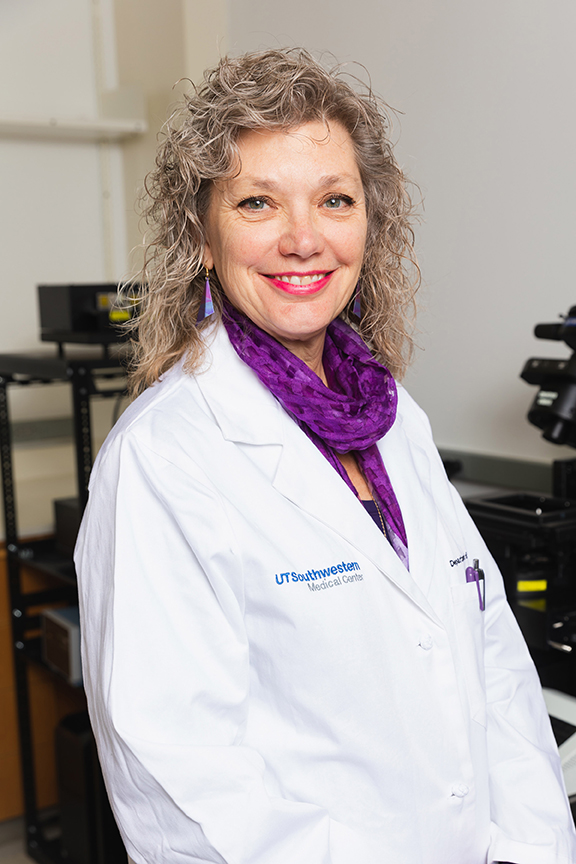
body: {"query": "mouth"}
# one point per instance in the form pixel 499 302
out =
pixel 300 283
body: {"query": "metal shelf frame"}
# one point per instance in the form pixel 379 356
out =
pixel 83 374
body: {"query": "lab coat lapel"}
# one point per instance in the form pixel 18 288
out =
pixel 306 478
pixel 247 413
pixel 408 467
pixel 243 408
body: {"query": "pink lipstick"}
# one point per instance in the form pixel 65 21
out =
pixel 301 284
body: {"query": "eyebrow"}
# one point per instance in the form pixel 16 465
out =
pixel 327 181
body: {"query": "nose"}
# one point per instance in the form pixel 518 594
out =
pixel 301 236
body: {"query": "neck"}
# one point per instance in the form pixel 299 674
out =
pixel 310 352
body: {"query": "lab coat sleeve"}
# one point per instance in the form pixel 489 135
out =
pixel 166 669
pixel 530 818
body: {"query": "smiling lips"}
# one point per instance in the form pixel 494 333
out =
pixel 300 283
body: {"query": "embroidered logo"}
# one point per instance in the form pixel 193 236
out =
pixel 346 571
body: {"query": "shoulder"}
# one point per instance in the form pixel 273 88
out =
pixel 154 412
pixel 186 416
pixel 413 418
pixel 414 426
pixel 172 407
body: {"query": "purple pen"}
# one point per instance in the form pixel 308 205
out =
pixel 475 574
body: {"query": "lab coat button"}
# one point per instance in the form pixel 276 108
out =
pixel 426 642
pixel 460 790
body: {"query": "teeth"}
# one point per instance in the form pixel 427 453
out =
pixel 301 280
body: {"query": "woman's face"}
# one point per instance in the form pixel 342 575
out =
pixel 286 235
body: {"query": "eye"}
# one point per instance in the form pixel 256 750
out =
pixel 338 202
pixel 254 204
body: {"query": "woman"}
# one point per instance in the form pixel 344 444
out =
pixel 275 677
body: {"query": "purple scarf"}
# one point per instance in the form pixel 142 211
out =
pixel 357 409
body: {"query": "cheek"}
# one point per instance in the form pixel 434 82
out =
pixel 245 249
pixel 351 246
pixel 347 237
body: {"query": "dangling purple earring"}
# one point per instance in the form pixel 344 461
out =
pixel 357 308
pixel 208 308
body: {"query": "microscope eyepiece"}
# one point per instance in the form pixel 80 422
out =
pixel 548 331
pixel 554 407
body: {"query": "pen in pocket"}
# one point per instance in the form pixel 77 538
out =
pixel 475 574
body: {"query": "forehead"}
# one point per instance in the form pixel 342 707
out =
pixel 315 146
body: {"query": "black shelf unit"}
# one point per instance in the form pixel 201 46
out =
pixel 83 372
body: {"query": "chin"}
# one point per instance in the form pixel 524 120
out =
pixel 301 330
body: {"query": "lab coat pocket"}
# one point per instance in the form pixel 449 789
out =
pixel 469 623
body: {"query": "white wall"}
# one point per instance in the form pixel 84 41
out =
pixel 487 131
pixel 150 38
pixel 59 198
pixel 62 213
pixel 207 33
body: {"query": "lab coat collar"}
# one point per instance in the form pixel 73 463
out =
pixel 247 413
pixel 243 407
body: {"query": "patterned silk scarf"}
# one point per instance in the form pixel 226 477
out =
pixel 352 414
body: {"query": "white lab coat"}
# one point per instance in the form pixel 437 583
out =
pixel 266 681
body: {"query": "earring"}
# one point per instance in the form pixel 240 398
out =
pixel 357 308
pixel 208 308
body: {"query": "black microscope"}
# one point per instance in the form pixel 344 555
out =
pixel 532 536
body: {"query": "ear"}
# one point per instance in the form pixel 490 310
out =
pixel 207 259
